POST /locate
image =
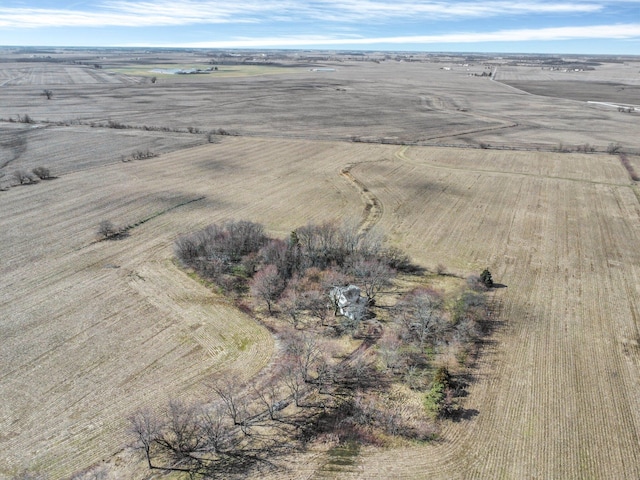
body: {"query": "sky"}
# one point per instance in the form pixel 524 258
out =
pixel 530 26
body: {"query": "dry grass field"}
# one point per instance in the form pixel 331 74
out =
pixel 92 330
pixel 606 83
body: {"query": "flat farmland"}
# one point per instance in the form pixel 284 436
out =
pixel 20 74
pixel 93 330
pixel 605 83
pixel 80 147
pixel 98 329
pixel 395 102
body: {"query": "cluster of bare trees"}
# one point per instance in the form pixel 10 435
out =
pixel 222 253
pixel 317 386
pixel 24 177
pixel 424 325
pixel 138 155
pixel 242 428
pixel 26 118
pixel 614 148
pixel 314 390
pixel 294 276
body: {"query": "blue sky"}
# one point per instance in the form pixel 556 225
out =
pixel 532 26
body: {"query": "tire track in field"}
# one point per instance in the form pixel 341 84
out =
pixel 373 208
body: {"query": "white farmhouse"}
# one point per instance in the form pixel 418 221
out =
pixel 347 301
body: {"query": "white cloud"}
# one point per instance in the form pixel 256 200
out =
pixel 620 32
pixel 187 12
pixel 358 9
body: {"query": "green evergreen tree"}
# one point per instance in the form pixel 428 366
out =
pixel 486 279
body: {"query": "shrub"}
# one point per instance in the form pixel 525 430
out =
pixel 42 173
pixel 614 148
pixel 586 148
pixel 23 177
pixel 106 229
pixel 25 119
pixel 116 124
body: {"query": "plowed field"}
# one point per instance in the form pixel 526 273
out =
pixel 93 330
pixel 556 394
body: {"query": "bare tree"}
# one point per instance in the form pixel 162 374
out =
pixel 234 404
pixel 305 353
pixel 267 285
pixel 317 304
pixel 146 429
pixel 374 276
pixel 350 236
pixel 370 243
pixel 175 444
pixel 47 93
pixel 269 396
pixel 292 379
pixel 421 317
pixel 293 302
pixel 276 252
